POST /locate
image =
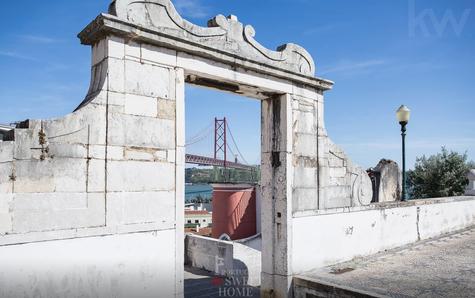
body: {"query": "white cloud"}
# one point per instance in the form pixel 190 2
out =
pixel 16 55
pixel 38 39
pixel 192 8
pixel 351 66
pixel 455 143
pixel 321 29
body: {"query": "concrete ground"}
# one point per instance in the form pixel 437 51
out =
pixel 201 284
pixel 441 267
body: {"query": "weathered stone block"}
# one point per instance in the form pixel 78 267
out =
pixel 339 172
pixel 114 98
pixel 5 200
pixel 140 105
pixel 97 151
pixel 51 175
pixel 338 181
pixel 96 171
pixel 147 80
pixel 143 154
pixel 115 47
pixel 141 207
pixel 336 197
pixel 116 74
pixel 305 144
pixel 159 55
pixel 180 106
pixel 130 176
pixel 115 152
pixel 6 151
pixel 5 214
pixel 171 156
pixel 305 177
pixel 58 150
pixel 305 105
pixel 129 130
pixel 305 123
pixel 27 144
pixel 7 175
pixel 133 49
pixel 49 201
pixel 166 109
pixel 305 199
pixel 343 191
pixel 387 181
pixel 335 161
pixel 37 212
pixel 309 93
pixel 85 126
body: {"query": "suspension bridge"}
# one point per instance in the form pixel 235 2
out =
pixel 222 136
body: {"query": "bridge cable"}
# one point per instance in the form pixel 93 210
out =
pixel 200 136
pixel 234 141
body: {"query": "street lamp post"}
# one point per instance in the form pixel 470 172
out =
pixel 403 114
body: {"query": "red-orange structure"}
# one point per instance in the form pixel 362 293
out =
pixel 234 210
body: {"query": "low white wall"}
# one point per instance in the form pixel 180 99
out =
pixel 332 236
pixel 111 266
pixel 254 242
pixel 208 253
pixel 226 258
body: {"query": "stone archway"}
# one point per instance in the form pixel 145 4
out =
pixel 113 169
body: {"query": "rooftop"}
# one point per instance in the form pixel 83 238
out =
pixel 197 212
pixel 5 127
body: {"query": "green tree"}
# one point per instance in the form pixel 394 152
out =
pixel 440 175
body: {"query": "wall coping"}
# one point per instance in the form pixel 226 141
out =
pixel 384 206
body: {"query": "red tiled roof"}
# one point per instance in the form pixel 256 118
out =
pixel 197 212
pixel 203 231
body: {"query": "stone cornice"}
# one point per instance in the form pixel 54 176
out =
pixel 225 40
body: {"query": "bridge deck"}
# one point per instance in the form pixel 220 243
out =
pixel 209 161
pixel 442 267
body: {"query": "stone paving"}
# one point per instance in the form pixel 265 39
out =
pixel 201 284
pixel 440 267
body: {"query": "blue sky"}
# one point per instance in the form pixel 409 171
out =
pixel 379 53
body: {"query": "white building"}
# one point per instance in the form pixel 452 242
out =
pixel 202 218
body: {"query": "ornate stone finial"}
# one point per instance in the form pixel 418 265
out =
pixel 471 183
pixel 224 34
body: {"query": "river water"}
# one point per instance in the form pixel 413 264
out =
pixel 195 190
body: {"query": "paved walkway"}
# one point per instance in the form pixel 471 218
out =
pixel 442 267
pixel 201 284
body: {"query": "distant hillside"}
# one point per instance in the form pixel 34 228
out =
pixel 220 175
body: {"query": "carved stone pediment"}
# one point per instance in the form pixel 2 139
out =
pixel 224 34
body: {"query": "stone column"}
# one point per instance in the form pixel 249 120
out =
pixel 276 179
pixel 145 154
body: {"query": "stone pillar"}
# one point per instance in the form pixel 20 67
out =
pixel 145 152
pixel 471 183
pixel 276 179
